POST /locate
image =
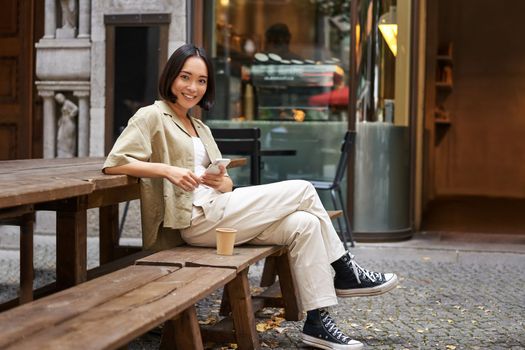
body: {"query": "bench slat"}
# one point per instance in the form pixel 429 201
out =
pixel 40 314
pixel 118 321
pixel 243 256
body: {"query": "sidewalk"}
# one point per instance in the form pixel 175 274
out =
pixel 453 294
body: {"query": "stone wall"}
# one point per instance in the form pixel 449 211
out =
pixel 100 8
pixel 71 59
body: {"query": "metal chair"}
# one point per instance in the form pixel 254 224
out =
pixel 335 187
pixel 244 142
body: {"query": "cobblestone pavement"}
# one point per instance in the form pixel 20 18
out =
pixel 449 297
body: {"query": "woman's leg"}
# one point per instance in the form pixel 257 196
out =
pixel 310 266
pixel 253 209
pixel 287 213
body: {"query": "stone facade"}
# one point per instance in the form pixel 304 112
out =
pixel 71 60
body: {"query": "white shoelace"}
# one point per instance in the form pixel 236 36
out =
pixel 359 271
pixel 332 327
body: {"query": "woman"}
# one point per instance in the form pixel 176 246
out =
pixel 169 151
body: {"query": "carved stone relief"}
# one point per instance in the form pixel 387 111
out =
pixel 69 19
pixel 66 135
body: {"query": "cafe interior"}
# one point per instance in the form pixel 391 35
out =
pixel 432 90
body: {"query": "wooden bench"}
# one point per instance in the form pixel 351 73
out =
pixel 237 298
pixel 281 293
pixel 110 311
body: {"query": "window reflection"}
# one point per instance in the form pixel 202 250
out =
pixel 282 66
pixel 280 60
pixel 376 64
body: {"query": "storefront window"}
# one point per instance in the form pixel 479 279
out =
pixel 376 52
pixel 282 66
pixel 382 159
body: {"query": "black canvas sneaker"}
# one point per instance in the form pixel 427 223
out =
pixel 324 334
pixel 358 282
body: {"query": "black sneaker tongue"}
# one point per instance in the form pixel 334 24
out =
pixel 313 317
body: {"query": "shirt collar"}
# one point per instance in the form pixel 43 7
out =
pixel 166 109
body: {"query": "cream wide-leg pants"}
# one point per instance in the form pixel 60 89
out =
pixel 285 213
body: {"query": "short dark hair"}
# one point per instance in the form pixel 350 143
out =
pixel 174 66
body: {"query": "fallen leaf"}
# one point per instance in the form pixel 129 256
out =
pixel 209 320
pixel 262 327
pixel 273 323
pixel 277 320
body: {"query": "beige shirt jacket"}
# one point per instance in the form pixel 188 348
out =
pixel 154 134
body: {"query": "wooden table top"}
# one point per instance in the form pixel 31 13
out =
pixel 31 181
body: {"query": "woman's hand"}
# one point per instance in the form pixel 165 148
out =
pixel 180 177
pixel 219 181
pixel 183 178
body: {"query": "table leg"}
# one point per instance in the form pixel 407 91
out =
pixel 71 242
pixel 109 232
pixel 26 257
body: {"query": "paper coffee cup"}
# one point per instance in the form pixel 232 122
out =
pixel 225 240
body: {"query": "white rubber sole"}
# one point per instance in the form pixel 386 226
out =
pixel 323 344
pixel 368 292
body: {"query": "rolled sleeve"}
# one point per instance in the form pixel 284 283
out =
pixel 132 145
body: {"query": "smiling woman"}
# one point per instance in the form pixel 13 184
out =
pixel 188 88
pixel 191 64
pixel 170 151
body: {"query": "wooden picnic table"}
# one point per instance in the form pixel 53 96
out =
pixel 69 187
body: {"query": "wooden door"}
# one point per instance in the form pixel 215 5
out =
pixel 17 89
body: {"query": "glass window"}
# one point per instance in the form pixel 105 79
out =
pixel 376 60
pixel 382 159
pixel 281 65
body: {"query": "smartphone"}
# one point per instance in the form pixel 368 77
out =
pixel 213 168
